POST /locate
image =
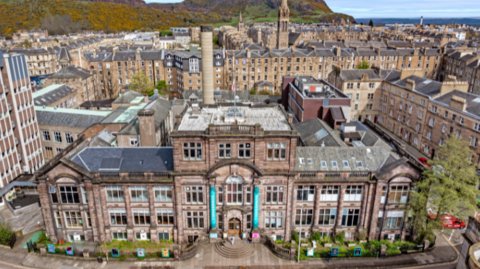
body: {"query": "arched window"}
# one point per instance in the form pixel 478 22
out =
pixel 234 191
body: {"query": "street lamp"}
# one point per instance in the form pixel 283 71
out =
pixel 300 235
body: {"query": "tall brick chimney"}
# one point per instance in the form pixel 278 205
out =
pixel 146 126
pixel 458 103
pixel 207 63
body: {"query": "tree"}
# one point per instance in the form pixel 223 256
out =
pixel 448 187
pixel 364 65
pixel 371 23
pixel 162 87
pixel 361 23
pixel 253 91
pixel 336 71
pixel 141 83
pixel 165 33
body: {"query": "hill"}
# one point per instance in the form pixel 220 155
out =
pixel 135 3
pixel 234 7
pixel 61 17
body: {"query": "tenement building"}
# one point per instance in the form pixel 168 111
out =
pixel 241 170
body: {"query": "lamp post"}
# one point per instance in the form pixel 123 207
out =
pixel 300 235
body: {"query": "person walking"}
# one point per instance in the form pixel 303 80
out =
pixel 329 256
pixel 232 240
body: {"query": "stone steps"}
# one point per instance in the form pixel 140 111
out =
pixel 235 252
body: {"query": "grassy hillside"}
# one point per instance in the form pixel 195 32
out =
pixel 60 17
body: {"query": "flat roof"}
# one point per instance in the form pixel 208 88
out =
pixel 73 111
pixel 137 100
pixel 270 118
pixel 46 90
pixel 124 114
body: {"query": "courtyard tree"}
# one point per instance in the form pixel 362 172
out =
pixel 141 83
pixel 364 65
pixel 449 186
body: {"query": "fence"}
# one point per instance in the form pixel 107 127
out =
pixel 191 251
pixel 278 250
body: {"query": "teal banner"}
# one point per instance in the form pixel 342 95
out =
pixel 256 204
pixel 213 209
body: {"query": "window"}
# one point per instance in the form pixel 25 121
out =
pixel 276 151
pixel 69 195
pixel 273 220
pixel 220 221
pixel 370 96
pixel 194 195
pixel 353 193
pixel 384 195
pixel 327 217
pixel 163 193
pixel 444 128
pixel 163 236
pixel 393 222
pixel 195 220
pixel 46 135
pixel 73 219
pixel 58 137
pixel 84 195
pixel 141 216
pixel 165 217
pixel 69 138
pixel 473 141
pixel 398 194
pixel 248 193
pixel 58 219
pixel 445 114
pixel 192 151
pixel 48 152
pixel 220 195
pixel 119 236
pixel 53 194
pixel 224 150
pixel 133 141
pixel 431 122
pixel 454 117
pixel 306 218
pixel 274 195
pixel 118 217
pixel 305 193
pixel 89 219
pixel 350 217
pixel 139 193
pixel 329 193
pixel 138 236
pixel 234 190
pixel 59 150
pixel 115 194
pixel 249 221
pixel 244 150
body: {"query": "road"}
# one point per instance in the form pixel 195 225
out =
pixel 4 265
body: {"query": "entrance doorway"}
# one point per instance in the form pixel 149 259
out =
pixel 234 227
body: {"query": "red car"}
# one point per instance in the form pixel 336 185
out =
pixel 423 161
pixel 449 221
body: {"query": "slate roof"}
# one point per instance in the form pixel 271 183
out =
pixel 161 108
pixel 357 74
pixel 372 158
pixel 51 94
pixel 67 119
pixel 113 159
pixel 390 75
pixel 473 101
pixel 127 97
pixel 422 85
pixel 71 72
pixel 309 128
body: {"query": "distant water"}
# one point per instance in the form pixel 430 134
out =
pixel 469 21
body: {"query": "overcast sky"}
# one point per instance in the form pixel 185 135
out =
pixel 397 8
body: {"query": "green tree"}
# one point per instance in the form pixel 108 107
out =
pixel 253 91
pixel 364 65
pixel 336 71
pixel 165 33
pixel 448 187
pixel 371 23
pixel 162 87
pixel 141 83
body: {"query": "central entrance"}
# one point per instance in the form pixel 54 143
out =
pixel 234 227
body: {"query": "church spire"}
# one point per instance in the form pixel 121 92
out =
pixel 284 3
pixel 240 19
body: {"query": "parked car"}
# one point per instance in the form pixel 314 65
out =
pixel 448 221
pixel 423 161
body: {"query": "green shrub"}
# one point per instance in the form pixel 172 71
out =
pixel 5 233
pixel 389 244
pixel 295 236
pixel 339 237
pixel 316 236
pixel 122 258
pixel 279 241
pixel 43 239
pixel 373 243
pixel 393 251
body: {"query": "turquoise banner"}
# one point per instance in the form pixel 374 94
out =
pixel 256 204
pixel 213 209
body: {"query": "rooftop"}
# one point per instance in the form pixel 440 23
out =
pixel 73 111
pixel 124 114
pixel 51 94
pixel 271 118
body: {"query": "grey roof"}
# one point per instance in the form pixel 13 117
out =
pixel 53 95
pixel 473 101
pixel 111 159
pixel 357 74
pixel 390 75
pixel 127 97
pixel 422 85
pixel 67 119
pixel 161 108
pixel 114 115
pixel 372 158
pixel 264 83
pixel 315 132
pixel 71 72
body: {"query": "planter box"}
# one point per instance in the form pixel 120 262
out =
pixel 327 245
pixel 351 245
pixel 363 241
pixel 303 245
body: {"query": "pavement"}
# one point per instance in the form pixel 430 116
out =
pixel 444 256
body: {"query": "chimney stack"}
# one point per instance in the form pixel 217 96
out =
pixel 207 63
pixel 146 122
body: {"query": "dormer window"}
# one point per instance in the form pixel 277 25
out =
pixel 346 164
pixel 301 160
pixel 359 164
pixel 334 164
pixel 309 161
pixel 323 164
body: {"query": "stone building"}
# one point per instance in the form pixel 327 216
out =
pixel 56 96
pixel 20 138
pixel 83 81
pixel 283 25
pixel 463 63
pixel 247 179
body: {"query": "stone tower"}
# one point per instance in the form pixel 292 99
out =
pixel 283 21
pixel 241 24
